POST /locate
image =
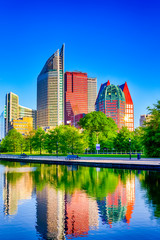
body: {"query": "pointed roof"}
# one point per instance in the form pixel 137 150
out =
pixel 127 94
pixel 108 83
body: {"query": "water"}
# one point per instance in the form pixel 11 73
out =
pixel 40 201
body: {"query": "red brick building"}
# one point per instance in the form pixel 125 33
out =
pixel 76 95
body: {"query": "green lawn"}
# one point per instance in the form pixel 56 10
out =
pixel 81 155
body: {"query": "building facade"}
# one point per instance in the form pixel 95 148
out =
pixel 22 125
pixel 92 94
pixel 76 95
pixel 14 111
pixel 144 118
pixel 2 126
pixel 50 92
pixel 129 109
pixel 115 102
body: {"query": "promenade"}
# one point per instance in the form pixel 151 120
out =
pixel 109 162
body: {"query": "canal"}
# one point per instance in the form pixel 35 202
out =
pixel 39 201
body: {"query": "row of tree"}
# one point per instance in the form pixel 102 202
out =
pixel 97 128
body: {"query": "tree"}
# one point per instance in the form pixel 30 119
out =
pixel 96 123
pixel 38 140
pixel 71 140
pixel 53 139
pixel 13 142
pixel 29 140
pixel 121 142
pixel 137 136
pixel 151 138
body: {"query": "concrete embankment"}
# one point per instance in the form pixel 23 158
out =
pixel 121 163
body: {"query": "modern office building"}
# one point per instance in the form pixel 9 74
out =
pixel 129 109
pixel 144 118
pixel 50 92
pixel 11 109
pixel 23 125
pixel 14 111
pixel 2 126
pixel 92 94
pixel 28 112
pixel 76 95
pixel 115 102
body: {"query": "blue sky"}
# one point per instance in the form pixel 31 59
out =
pixel 116 40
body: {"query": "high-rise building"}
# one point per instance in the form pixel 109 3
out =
pixel 116 102
pixel 50 92
pixel 129 110
pixel 92 94
pixel 76 95
pixel 28 112
pixel 2 126
pixel 11 109
pixel 14 111
pixel 144 118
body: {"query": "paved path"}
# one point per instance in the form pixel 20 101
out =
pixel 144 163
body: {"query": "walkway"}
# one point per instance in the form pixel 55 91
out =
pixel 124 163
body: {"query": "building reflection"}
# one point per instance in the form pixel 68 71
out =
pixel 50 213
pixel 81 214
pixel 17 186
pixel 119 205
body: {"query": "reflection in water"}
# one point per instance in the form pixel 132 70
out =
pixel 81 214
pixel 50 213
pixel 17 186
pixel 119 205
pixel 70 202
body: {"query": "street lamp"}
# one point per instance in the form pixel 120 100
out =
pixel 130 148
pixel 57 149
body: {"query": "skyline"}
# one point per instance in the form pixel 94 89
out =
pixel 110 41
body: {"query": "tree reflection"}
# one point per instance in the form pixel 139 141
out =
pixel 150 181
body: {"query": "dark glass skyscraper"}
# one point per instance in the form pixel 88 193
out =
pixel 50 92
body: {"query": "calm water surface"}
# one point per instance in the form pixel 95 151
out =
pixel 40 201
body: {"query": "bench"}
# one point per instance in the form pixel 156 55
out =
pixel 23 155
pixel 70 157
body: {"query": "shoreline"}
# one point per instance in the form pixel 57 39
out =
pixel 120 163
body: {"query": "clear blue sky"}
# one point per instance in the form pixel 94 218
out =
pixel 116 40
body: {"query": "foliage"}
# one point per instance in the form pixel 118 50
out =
pixel 100 129
pixel 151 138
pixel 13 142
pixel 38 140
pixel 121 142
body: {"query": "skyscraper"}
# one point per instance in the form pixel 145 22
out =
pixel 11 109
pixel 50 92
pixel 76 95
pixel 116 102
pixel 129 109
pixel 111 101
pixel 2 126
pixel 14 111
pixel 92 94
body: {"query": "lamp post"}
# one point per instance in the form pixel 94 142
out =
pixel 21 148
pixel 57 149
pixel 130 148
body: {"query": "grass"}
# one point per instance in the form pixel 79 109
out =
pixel 81 155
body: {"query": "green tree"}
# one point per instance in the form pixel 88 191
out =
pixel 137 137
pixel 52 140
pixel 121 141
pixel 100 127
pixel 29 141
pixel 38 140
pixel 13 142
pixel 151 138
pixel 71 140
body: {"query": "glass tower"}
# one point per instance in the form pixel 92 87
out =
pixel 50 92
